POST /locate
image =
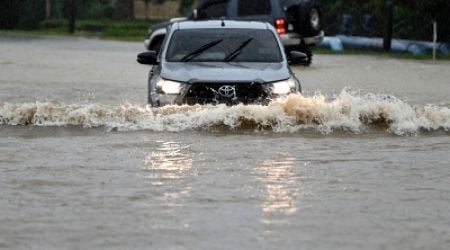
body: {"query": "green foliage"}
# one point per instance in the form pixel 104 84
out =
pixel 334 11
pixel 98 9
pixel 53 24
pixel 24 14
pixel 124 9
pixel 185 7
pixel 9 14
pixel 129 30
pixel 92 9
pixel 91 26
pixel 412 18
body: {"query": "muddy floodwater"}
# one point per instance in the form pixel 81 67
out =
pixel 359 161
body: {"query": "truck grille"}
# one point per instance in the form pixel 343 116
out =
pixel 208 93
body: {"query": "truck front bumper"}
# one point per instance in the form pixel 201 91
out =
pixel 293 39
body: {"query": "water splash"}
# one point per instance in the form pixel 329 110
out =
pixel 348 111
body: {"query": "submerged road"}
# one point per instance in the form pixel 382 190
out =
pixel 85 165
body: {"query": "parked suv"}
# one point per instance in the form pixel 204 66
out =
pixel 210 62
pixel 297 22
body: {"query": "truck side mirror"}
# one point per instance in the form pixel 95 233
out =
pixel 297 57
pixel 149 57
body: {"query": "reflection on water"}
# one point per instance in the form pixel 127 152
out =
pixel 170 163
pixel 282 186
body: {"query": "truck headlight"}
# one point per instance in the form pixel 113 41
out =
pixel 283 87
pixel 168 86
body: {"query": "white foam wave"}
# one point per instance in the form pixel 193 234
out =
pixel 348 111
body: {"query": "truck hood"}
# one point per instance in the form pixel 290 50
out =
pixel 222 71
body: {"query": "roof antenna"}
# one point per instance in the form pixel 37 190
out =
pixel 223 22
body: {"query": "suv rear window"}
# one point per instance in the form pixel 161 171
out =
pixel 254 7
pixel 257 46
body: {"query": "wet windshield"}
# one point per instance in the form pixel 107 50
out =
pixel 223 45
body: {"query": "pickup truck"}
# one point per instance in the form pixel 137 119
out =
pixel 297 22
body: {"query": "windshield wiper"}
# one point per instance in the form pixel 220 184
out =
pixel 200 50
pixel 237 51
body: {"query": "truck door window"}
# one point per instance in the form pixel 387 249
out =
pixel 254 7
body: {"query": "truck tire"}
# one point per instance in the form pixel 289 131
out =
pixel 303 47
pixel 308 19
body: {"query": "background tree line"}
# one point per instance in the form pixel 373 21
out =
pixel 412 19
pixel 27 14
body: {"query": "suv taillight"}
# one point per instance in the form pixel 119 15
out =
pixel 280 25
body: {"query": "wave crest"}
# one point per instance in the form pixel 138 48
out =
pixel 348 111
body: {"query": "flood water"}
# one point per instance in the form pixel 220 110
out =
pixel 360 161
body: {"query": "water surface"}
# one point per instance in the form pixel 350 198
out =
pixel 84 163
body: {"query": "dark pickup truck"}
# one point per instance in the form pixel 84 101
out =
pixel 297 22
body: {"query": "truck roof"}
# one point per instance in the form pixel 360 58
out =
pixel 214 24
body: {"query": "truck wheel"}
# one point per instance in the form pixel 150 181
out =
pixel 303 47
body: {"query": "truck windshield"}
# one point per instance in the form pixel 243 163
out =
pixel 223 45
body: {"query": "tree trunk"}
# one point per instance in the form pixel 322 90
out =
pixel 146 10
pixel 48 9
pixel 72 8
pixel 388 23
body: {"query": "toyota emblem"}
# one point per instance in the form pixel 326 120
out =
pixel 227 91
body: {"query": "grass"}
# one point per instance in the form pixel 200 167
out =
pixel 327 51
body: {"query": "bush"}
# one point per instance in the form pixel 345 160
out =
pixel 91 25
pixel 96 10
pixel 131 30
pixel 53 24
